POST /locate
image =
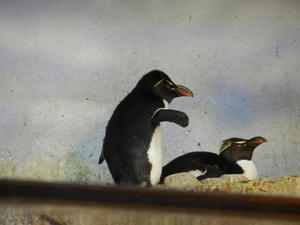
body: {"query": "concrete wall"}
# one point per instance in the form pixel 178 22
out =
pixel 66 64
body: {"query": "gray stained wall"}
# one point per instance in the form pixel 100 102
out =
pixel 65 65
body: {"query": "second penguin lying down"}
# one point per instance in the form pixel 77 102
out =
pixel 235 157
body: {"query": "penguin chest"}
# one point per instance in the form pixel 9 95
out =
pixel 249 169
pixel 155 156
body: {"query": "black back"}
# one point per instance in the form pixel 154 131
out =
pixel 130 129
pixel 128 136
pixel 213 164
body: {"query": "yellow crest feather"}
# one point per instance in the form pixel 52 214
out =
pixel 225 145
pixel 158 82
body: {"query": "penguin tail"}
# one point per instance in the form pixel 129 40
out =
pixel 101 159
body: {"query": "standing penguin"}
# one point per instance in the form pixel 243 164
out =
pixel 132 146
pixel 235 157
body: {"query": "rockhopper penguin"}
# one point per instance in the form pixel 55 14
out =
pixel 132 146
pixel 235 157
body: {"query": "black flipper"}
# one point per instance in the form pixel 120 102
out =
pixel 171 115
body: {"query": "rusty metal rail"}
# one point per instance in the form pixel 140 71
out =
pixel 29 192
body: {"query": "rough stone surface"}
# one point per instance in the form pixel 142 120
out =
pixel 284 186
pixel 187 180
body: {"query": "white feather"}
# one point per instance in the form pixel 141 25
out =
pixel 155 156
pixel 249 168
pixel 166 104
pixel 197 173
pixel 155 152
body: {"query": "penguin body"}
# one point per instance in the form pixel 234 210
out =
pixel 132 145
pixel 200 164
pixel 235 157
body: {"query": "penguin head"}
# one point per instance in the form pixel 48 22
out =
pixel 159 84
pixel 234 149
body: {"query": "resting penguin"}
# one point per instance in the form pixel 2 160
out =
pixel 132 144
pixel 235 157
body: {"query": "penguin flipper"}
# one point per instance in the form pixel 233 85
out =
pixel 101 159
pixel 171 115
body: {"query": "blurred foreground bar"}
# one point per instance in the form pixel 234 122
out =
pixel 39 203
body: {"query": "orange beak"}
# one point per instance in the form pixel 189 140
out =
pixel 183 91
pixel 260 141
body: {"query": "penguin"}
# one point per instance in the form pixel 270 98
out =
pixel 235 157
pixel 132 146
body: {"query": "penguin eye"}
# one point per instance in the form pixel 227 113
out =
pixel 238 146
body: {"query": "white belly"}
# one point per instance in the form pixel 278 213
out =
pixel 155 156
pixel 249 169
pixel 155 152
